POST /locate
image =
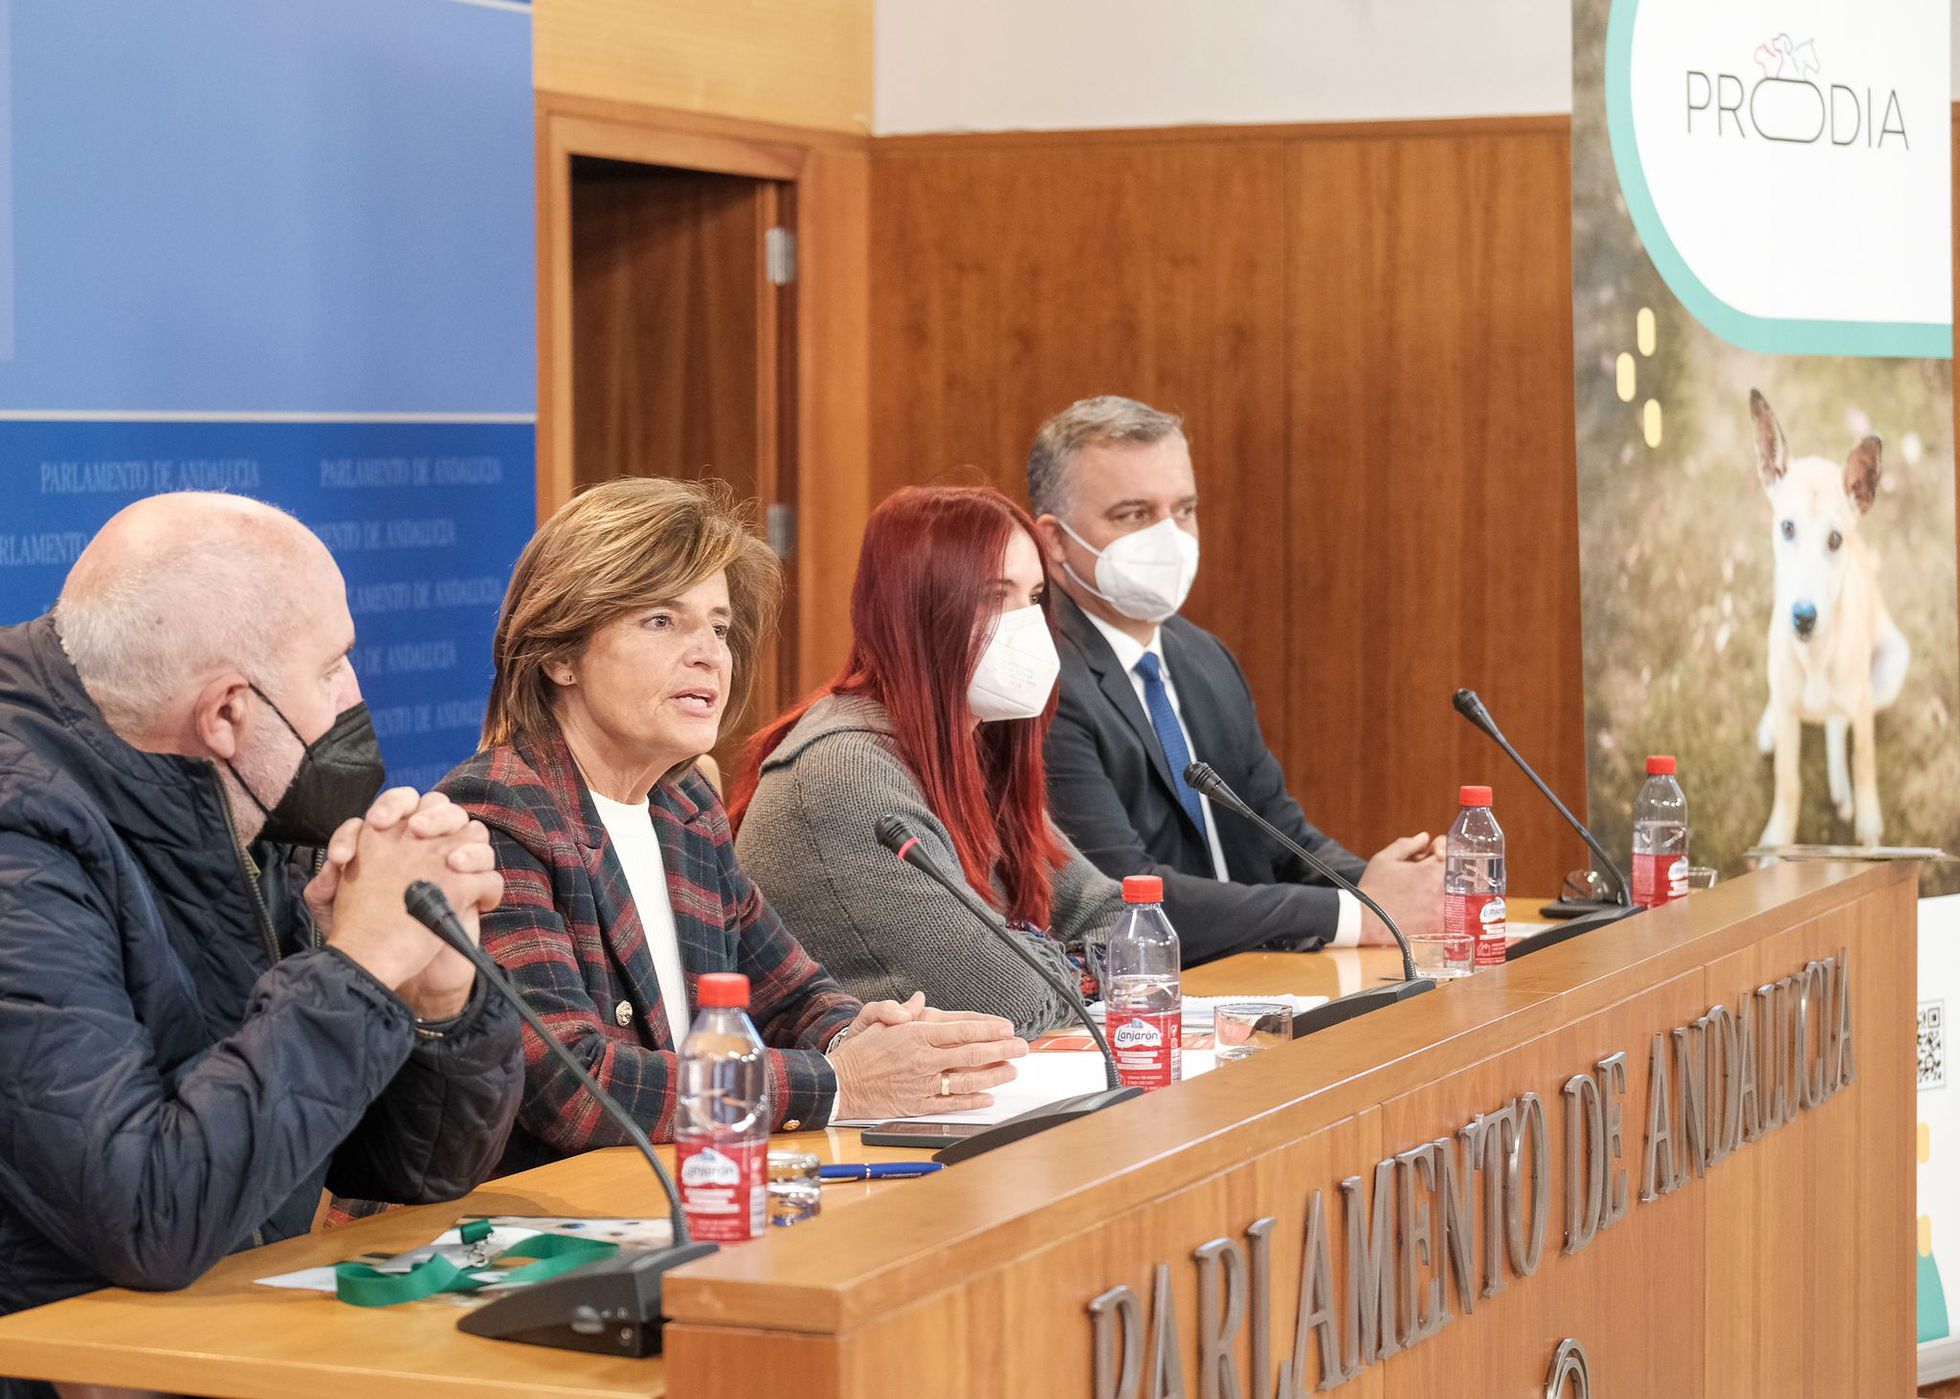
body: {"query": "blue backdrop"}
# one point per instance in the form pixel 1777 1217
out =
pixel 284 249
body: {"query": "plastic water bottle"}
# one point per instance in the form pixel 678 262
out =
pixel 1660 837
pixel 1473 884
pixel 1144 992
pixel 721 1126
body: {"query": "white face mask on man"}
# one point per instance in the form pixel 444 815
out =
pixel 1145 575
pixel 1017 670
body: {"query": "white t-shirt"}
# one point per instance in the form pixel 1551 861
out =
pixel 630 829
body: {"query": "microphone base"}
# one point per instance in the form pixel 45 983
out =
pixel 610 1307
pixel 1565 932
pixel 1576 908
pixel 1345 1008
pixel 1032 1121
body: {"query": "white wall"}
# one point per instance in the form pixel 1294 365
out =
pixel 1005 65
pixel 994 65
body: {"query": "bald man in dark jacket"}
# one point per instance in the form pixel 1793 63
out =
pixel 189 1057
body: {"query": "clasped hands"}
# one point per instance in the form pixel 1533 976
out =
pixel 907 1059
pixel 1406 878
pixel 356 898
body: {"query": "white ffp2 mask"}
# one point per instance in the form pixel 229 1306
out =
pixel 1145 575
pixel 1017 670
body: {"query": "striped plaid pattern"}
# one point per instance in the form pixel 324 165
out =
pixel 571 939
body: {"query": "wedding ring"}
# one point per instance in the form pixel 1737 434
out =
pixel 945 1085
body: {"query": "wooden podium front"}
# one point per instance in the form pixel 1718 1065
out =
pixel 1482 1185
pixel 1478 1191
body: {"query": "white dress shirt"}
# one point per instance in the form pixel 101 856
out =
pixel 630 829
pixel 1129 651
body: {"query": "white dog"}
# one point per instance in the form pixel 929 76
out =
pixel 1835 656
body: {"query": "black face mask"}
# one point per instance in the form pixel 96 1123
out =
pixel 339 776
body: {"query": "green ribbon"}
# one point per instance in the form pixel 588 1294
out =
pixel 361 1285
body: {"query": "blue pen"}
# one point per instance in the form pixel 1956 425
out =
pixel 882 1170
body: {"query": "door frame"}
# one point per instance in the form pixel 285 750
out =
pixel 828 180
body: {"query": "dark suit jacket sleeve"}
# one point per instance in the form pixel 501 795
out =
pixel 1212 918
pixel 1265 792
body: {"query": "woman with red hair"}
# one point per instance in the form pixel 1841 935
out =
pixel 938 717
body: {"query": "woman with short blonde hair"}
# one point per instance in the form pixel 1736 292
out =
pixel 629 632
pixel 603 554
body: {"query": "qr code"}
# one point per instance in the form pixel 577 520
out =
pixel 1932 1044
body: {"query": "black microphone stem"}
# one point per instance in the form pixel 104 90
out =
pixel 430 907
pixel 1111 1078
pixel 1471 707
pixel 907 849
pixel 1201 777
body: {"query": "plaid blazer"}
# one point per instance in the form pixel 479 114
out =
pixel 569 937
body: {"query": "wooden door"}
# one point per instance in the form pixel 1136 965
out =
pixel 683 355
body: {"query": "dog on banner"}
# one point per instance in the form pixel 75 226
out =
pixel 1835 657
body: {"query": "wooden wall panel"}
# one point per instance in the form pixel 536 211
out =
pixel 1369 330
pixel 834 435
pixel 1434 508
pixel 1013 281
pixel 800 63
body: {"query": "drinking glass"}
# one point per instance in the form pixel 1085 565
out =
pixel 1240 1029
pixel 1443 955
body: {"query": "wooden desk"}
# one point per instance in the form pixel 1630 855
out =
pixel 1335 972
pixel 227 1336
pixel 1786 1270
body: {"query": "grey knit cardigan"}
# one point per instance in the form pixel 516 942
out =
pixel 881 928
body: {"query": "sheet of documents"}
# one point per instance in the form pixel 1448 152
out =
pixel 506 1232
pixel 1197 1009
pixel 1044 1077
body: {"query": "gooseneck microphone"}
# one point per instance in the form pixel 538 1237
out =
pixel 611 1306
pixel 1205 781
pixel 429 906
pixel 1584 917
pixel 896 836
pixel 1472 708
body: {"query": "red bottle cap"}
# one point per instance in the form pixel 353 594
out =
pixel 723 990
pixel 1473 796
pixel 1660 765
pixel 1143 889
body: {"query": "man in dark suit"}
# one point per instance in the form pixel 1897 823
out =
pixel 1145 692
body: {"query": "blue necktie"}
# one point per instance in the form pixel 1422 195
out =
pixel 1170 734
